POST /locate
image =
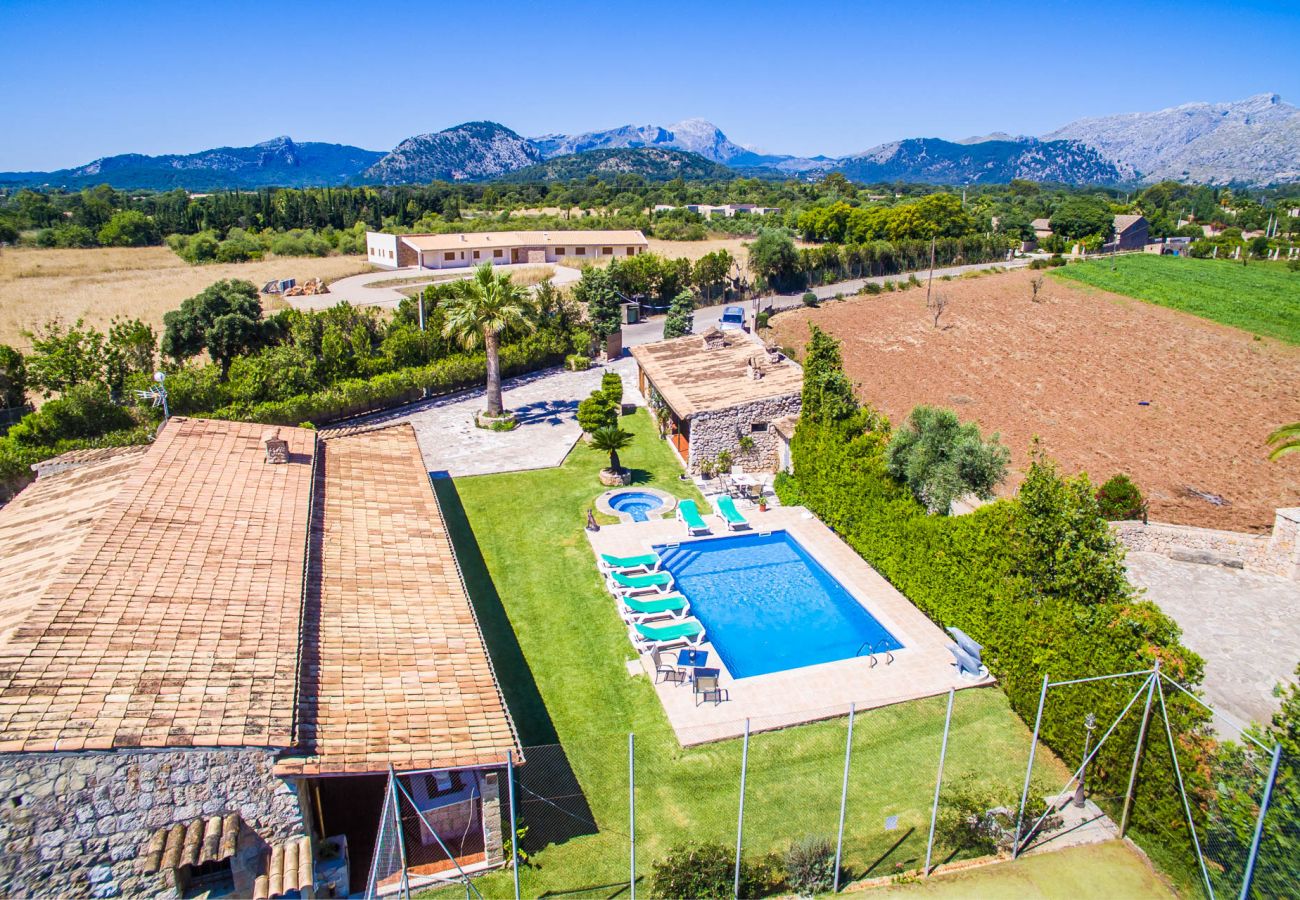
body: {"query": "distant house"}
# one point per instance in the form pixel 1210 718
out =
pixel 1042 228
pixel 461 249
pixel 719 387
pixel 1131 233
pixel 215 649
pixel 727 210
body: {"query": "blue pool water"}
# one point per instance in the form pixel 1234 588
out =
pixel 636 504
pixel 769 606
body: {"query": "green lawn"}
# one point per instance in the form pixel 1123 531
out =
pixel 1113 870
pixel 1262 298
pixel 561 653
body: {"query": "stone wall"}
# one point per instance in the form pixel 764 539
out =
pixel 718 430
pixel 73 824
pixel 1276 554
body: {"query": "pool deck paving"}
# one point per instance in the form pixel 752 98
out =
pixel 922 668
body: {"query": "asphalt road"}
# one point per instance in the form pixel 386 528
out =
pixel 652 329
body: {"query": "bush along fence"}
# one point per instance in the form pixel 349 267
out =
pixel 1038 580
pixel 835 262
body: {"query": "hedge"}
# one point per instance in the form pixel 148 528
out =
pixel 975 572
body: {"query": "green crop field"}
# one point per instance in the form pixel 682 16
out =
pixel 1262 298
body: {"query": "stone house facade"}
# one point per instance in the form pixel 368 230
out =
pixel 721 392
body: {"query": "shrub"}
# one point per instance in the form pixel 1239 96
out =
pixel 976 818
pixel 706 870
pixel 577 362
pixel 723 462
pixel 597 412
pixel 810 866
pixel 786 487
pixel 1038 263
pixel 680 319
pixel 872 287
pixel 611 385
pixel 913 281
pixel 83 411
pixel 890 286
pixel 13 378
pixel 1119 499
pixel 761 320
pixel 809 298
pixel 1056 260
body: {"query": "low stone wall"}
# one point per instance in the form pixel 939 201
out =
pixel 718 430
pixel 1276 554
pixel 74 824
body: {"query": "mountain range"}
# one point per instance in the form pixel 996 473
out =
pixel 1251 141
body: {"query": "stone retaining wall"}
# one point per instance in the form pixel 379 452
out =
pixel 73 824
pixel 1275 554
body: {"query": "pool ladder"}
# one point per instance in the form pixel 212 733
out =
pixel 867 645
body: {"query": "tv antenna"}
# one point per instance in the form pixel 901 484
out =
pixel 157 395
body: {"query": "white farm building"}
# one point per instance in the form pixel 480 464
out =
pixel 458 250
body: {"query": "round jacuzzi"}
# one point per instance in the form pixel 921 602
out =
pixel 635 504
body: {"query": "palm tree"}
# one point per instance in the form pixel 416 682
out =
pixel 1287 439
pixel 611 439
pixel 486 305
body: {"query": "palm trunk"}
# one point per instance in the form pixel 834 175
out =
pixel 491 342
pixel 613 460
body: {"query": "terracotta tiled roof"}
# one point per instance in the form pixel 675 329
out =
pixel 694 379
pixel 44 525
pixel 395 669
pixel 1124 223
pixel 176 621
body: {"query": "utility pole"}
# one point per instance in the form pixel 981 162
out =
pixel 930 283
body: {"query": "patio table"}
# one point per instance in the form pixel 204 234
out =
pixel 692 659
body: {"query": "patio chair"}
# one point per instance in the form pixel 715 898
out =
pixel 664 666
pixel 669 606
pixel 707 689
pixel 628 565
pixel 689 514
pixel 621 585
pixel 689 633
pixel 967 643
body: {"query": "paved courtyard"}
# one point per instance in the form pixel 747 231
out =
pixel 546 403
pixel 1245 624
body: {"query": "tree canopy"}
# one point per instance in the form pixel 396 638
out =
pixel 942 459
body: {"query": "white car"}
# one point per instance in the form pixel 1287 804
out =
pixel 733 319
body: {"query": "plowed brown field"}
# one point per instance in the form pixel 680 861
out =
pixel 1074 370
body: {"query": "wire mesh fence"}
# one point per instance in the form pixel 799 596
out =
pixel 873 794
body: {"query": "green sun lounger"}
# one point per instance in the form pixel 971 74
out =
pixel 647 561
pixel 653 581
pixel 638 610
pixel 688 632
pixel 689 514
pixel 727 509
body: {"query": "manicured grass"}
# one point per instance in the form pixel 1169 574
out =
pixel 1100 871
pixel 561 653
pixel 1262 298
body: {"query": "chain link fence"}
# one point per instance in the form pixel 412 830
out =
pixel 902 790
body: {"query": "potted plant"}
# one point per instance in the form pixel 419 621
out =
pixel 724 462
pixel 707 468
pixel 762 503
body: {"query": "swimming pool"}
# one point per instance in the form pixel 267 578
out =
pixel 769 606
pixel 637 504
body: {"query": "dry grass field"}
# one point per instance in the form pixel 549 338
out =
pixel 37 285
pixel 1108 383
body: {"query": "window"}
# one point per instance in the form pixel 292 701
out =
pixel 476 254
pixel 390 254
pixel 559 251
pixel 606 251
pixel 437 784
pixel 207 877
pixel 449 255
pixel 631 251
pixel 757 427
pixel 579 251
pixel 498 253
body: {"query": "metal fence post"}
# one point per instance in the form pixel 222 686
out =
pixel 514 827
pixel 844 798
pixel 631 813
pixel 1259 823
pixel 938 781
pixel 1137 753
pixel 740 819
pixel 1029 770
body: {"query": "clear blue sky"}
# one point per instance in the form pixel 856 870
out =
pixel 79 80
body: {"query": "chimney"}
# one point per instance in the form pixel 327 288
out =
pixel 277 448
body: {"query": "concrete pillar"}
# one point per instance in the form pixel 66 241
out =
pixel 1284 546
